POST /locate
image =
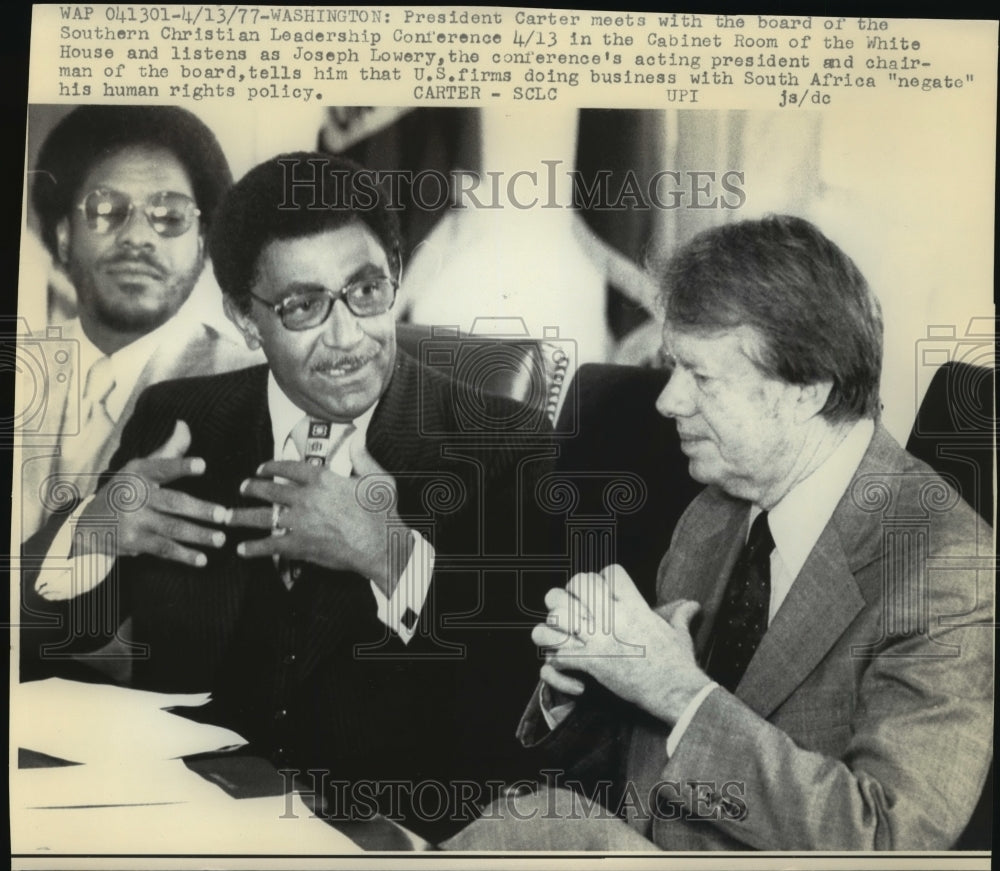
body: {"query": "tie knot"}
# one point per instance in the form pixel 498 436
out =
pixel 316 439
pixel 759 541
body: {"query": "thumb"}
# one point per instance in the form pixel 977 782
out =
pixel 362 462
pixel 682 613
pixel 177 445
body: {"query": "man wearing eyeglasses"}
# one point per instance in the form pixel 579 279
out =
pixel 318 540
pixel 125 196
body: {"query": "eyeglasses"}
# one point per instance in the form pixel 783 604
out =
pixel 169 213
pixel 364 299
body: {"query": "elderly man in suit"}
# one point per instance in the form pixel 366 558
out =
pixel 330 543
pixel 818 672
pixel 125 196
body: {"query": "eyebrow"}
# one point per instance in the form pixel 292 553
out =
pixel 368 270
pixel 701 368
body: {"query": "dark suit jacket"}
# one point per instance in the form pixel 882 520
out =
pixel 864 720
pixel 311 676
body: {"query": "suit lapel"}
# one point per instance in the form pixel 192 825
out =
pixel 820 605
pixel 408 408
pixel 704 567
pixel 825 597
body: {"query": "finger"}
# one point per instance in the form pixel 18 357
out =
pixel 253 518
pixel 559 681
pixel 620 583
pixel 292 470
pixel 177 444
pixel 179 530
pixel 362 462
pixel 184 505
pixel 683 614
pixel 666 609
pixel 269 491
pixel 163 470
pixel 270 545
pixel 557 599
pixel 547 635
pixel 586 586
pixel 158 545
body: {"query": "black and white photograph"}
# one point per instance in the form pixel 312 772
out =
pixel 538 435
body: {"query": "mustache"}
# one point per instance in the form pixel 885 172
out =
pixel 347 361
pixel 131 257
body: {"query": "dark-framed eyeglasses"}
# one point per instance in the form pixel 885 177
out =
pixel 365 298
pixel 169 213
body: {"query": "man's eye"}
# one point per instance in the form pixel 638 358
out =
pixel 365 288
pixel 169 218
pixel 700 379
pixel 301 305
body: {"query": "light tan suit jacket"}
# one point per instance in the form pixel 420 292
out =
pixel 864 720
pixel 46 378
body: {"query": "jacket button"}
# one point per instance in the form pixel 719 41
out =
pixel 280 714
pixel 288 659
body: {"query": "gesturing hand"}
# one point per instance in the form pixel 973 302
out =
pixel 601 625
pixel 317 517
pixel 168 521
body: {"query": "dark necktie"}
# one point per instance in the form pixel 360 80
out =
pixel 742 618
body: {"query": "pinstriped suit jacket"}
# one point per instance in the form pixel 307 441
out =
pixel 356 701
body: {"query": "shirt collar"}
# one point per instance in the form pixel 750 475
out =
pixel 285 414
pixel 799 519
pixel 127 364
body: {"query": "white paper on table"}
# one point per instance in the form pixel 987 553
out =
pixel 82 722
pixel 109 784
pixel 218 824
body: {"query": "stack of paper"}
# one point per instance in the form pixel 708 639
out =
pixel 156 809
pixel 133 794
pixel 82 722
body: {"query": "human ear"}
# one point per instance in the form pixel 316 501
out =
pixel 62 241
pixel 811 399
pixel 244 323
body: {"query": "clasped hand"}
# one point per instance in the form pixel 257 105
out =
pixel 319 518
pixel 601 625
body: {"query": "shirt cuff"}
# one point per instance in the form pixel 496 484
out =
pixel 65 576
pixel 673 739
pixel 553 714
pixel 401 611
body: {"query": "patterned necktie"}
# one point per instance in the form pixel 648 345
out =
pixel 319 443
pixel 742 617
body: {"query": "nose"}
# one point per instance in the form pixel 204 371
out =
pixel 676 400
pixel 342 329
pixel 136 230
